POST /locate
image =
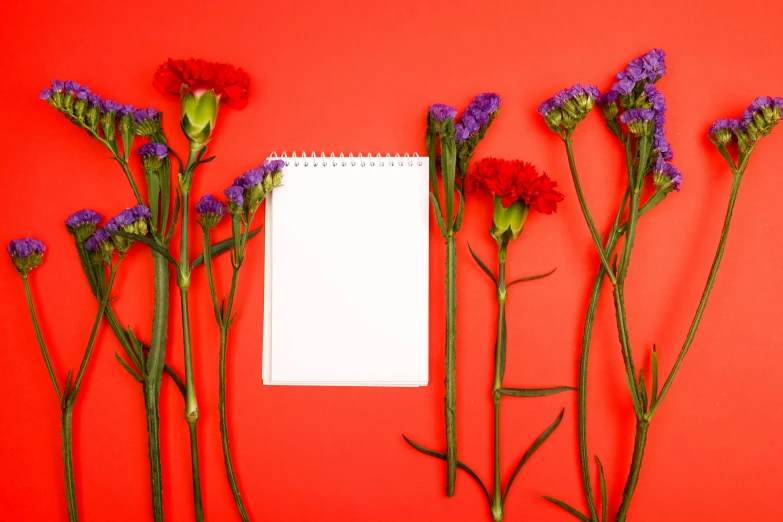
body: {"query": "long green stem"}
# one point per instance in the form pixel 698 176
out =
pixel 70 482
pixel 155 365
pixel 500 357
pixel 451 363
pixel 640 440
pixel 39 336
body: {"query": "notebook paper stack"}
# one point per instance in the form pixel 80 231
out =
pixel 346 272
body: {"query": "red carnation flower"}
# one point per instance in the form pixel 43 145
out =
pixel 512 181
pixel 197 76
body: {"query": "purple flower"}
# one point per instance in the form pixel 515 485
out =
pixel 234 194
pixel 441 112
pixel 250 178
pixel 624 87
pixel 71 86
pixel 153 149
pixel 82 217
pixel 654 63
pixel 58 85
pixel 126 109
pixel 477 115
pixel 141 212
pixel 25 247
pixel 110 106
pixel 663 168
pixel 655 97
pixel 661 144
pixel 777 102
pixel 121 220
pixel 270 166
pixel 98 239
pixel 209 205
pixel 728 124
pixel 461 132
pixel 607 98
pixel 487 102
pixel 94 99
pixel 82 93
pixel 45 94
pixel 633 115
pixel 140 115
pixel 545 107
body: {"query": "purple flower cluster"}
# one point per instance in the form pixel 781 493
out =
pixel 477 115
pixel 647 67
pixel 666 175
pixel 126 109
pixel 83 217
pixel 235 195
pixel 109 106
pixel 158 150
pixel 271 165
pixel 251 178
pixel 209 205
pixel 97 240
pixel 757 120
pixel 573 94
pixel 121 220
pixel 140 115
pixel 637 115
pixel 442 112
pixel 25 247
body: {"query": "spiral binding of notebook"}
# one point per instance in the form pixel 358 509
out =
pixel 346 271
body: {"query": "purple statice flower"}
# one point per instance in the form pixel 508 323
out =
pixel 94 99
pixel 57 85
pixel 655 97
pixel 82 93
pixel 461 133
pixel 158 150
pixel 71 86
pixel 664 168
pixel 661 144
pixel 25 247
pixel 110 106
pixel 650 67
pixel 760 103
pixel 477 115
pixel 234 193
pixel 86 216
pixel 777 102
pixel 121 220
pixel 270 166
pixel 442 112
pixel 624 86
pixel 140 115
pixel 126 109
pixel 487 102
pixel 634 115
pixel 607 98
pixel 250 178
pixel 724 124
pixel 141 212
pixel 209 205
pixel 45 94
pixel 98 239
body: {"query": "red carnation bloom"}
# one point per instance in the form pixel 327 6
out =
pixel 514 180
pixel 197 76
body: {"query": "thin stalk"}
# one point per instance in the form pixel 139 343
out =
pixel 450 399
pixel 70 482
pixel 640 441
pixel 500 356
pixel 705 295
pixel 39 336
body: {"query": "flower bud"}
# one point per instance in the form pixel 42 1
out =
pixel 82 224
pixel 639 121
pixel 199 115
pixel 210 211
pixel 152 155
pixel 236 199
pixel 507 222
pixel 147 121
pixel 101 246
pixel 26 254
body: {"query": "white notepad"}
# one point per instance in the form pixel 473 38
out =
pixel 346 272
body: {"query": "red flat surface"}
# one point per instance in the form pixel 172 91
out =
pixel 357 77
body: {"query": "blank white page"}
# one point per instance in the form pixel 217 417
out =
pixel 347 280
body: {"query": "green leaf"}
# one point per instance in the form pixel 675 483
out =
pixel 127 367
pixel 603 489
pixel 531 278
pixel 460 211
pixel 568 508
pixel 153 196
pixel 460 465
pixel 222 246
pixel 438 214
pixel 642 390
pixel 532 449
pixel 535 392
pixel 138 357
pixel 654 361
pixel 147 241
pixel 483 266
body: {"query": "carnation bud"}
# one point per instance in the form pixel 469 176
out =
pixel 507 222
pixel 199 115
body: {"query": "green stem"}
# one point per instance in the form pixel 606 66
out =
pixel 451 363
pixel 120 159
pixel 39 336
pixel 155 365
pixel 707 290
pixel 197 503
pixel 640 441
pixel 70 482
pixel 210 277
pixel 500 356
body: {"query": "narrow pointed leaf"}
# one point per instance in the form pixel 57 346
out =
pixel 68 382
pixel 140 359
pixel 175 215
pixel 642 390
pixel 174 377
pixel 535 392
pixel 460 211
pixel 654 362
pixel 483 266
pixel 460 465
pixel 147 241
pixel 532 449
pixel 223 246
pixel 531 278
pixel 438 214
pixel 567 508
pixel 603 489
pixel 127 367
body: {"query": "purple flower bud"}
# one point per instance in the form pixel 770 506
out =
pixel 58 85
pixel 71 86
pixel 45 94
pixel 234 193
pixel 99 238
pixel 126 109
pixel 633 115
pixel 82 93
pixel 545 107
pixel 666 175
pixel 250 178
pixel 123 219
pixel 487 102
pixel 654 63
pixel 153 149
pixel 461 132
pixel 624 87
pixel 655 97
pixel 82 217
pixel 110 106
pixel 270 166
pixel 441 112
pixel 209 205
pixel 25 247
pixel 94 99
pixel 141 212
pixel 607 98
pixel 661 144
pixel 140 115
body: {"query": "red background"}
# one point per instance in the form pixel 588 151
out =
pixel 357 77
